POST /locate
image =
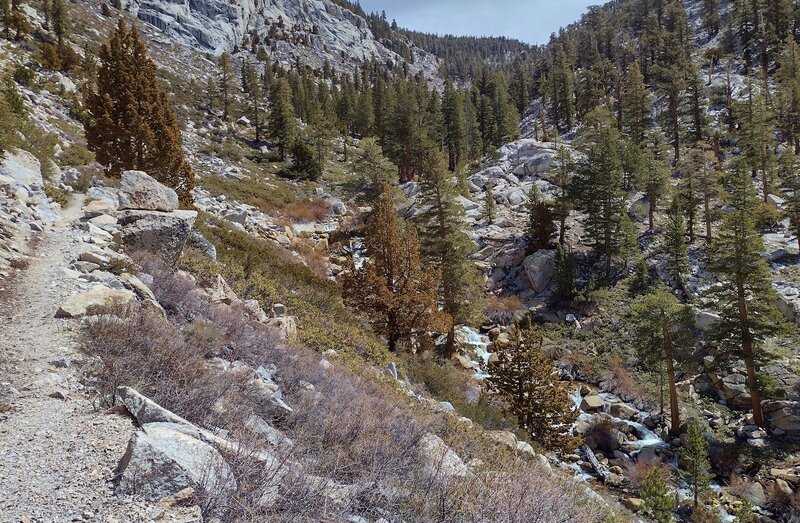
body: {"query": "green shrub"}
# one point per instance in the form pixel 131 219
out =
pixel 76 155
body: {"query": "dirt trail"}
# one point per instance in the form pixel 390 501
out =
pixel 57 456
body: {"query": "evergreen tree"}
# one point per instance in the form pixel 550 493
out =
pixel 541 224
pixel 60 21
pixel 635 104
pixel 373 169
pixel 561 172
pixel 564 275
pixel 255 95
pixel 304 161
pixel 694 463
pixel 658 500
pixel 529 383
pixel 698 164
pixel 744 297
pixel 446 243
pixel 788 79
pixel 757 135
pixel 5 12
pixel 225 82
pixel 654 179
pixel 663 334
pixel 745 512
pixel 790 175
pixel 489 204
pixel 131 122
pixel 455 127
pixel 674 243
pixel 710 17
pixel 282 125
pixel 393 288
pixel 598 182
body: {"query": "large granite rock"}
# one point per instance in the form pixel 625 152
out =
pixel 164 233
pixel 139 191
pixel 95 301
pixel 539 269
pixel 161 460
pixel 439 461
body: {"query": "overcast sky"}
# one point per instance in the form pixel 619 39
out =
pixel 531 21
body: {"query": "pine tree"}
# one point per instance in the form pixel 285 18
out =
pixel 757 134
pixel 529 384
pixel 282 124
pixel 304 162
pixel 698 164
pixel 489 204
pixel 446 243
pixel 255 95
pixel 455 127
pixel 744 297
pixel 373 169
pixel 694 461
pixel 541 221
pixel 658 501
pixel 561 172
pixel 5 12
pixel 60 21
pixel 393 288
pixel 635 104
pixel 225 82
pixel 89 63
pixel 599 184
pixel 654 179
pixel 788 79
pixel 564 275
pixel 131 122
pixel 674 243
pixel 790 175
pixel 710 17
pixel 745 512
pixel 663 334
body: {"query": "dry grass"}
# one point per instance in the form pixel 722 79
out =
pixel 637 471
pixel 501 309
pixel 621 381
pixel 305 211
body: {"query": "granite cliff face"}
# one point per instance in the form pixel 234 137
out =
pixel 311 31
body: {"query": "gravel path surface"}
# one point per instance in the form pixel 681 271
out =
pixel 57 456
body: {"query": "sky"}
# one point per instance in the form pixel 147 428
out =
pixel 531 21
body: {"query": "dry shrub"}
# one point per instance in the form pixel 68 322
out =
pixel 313 257
pixel 740 486
pixel 306 211
pixel 602 431
pixel 636 471
pixel 619 380
pixel 501 309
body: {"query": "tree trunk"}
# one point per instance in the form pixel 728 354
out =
pixel 675 415
pixel 562 226
pixel 707 216
pixel 749 359
pixel 650 212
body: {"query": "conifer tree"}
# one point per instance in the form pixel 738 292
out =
pixel 564 275
pixel 541 224
pixel 225 82
pixel 373 169
pixel 694 462
pixel 757 134
pixel 598 182
pixel 635 104
pixel 655 175
pixel 674 243
pixel 446 243
pixel 790 175
pixel 282 124
pixel 529 383
pixel 489 205
pixel 561 172
pixel 663 334
pixel 5 12
pixel 744 297
pixel 255 95
pixel 658 501
pixel 710 17
pixel 131 122
pixel 698 163
pixel 454 125
pixel 60 21
pixel 788 79
pixel 393 288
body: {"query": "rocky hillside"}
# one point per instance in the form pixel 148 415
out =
pixel 313 32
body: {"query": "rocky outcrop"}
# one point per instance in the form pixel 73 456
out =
pixel 161 461
pixel 96 300
pixel 309 31
pixel 164 233
pixel 439 461
pixel 139 191
pixel 539 269
pixel 25 209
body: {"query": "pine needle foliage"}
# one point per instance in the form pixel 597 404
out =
pixel 392 287
pixel 530 385
pixel 131 122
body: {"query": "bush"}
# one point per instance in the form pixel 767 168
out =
pixel 305 164
pixel 502 309
pixel 57 194
pixel 306 210
pixel 75 155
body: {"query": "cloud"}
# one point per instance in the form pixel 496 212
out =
pixel 528 20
